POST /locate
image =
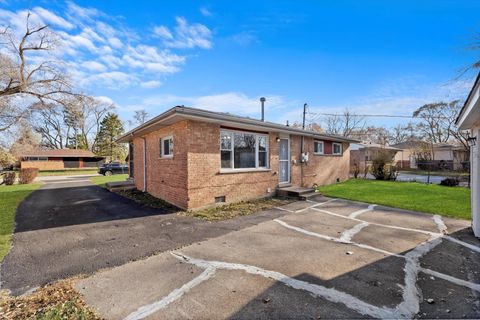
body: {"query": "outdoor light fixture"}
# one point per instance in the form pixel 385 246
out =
pixel 278 139
pixel 471 140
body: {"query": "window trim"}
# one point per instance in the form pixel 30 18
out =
pixel 323 147
pixel 162 149
pixel 333 149
pixel 232 168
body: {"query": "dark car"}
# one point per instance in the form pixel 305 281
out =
pixel 107 169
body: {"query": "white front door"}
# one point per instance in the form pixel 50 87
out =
pixel 284 161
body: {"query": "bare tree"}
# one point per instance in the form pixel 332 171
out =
pixel 140 116
pixel 84 115
pixel 27 75
pixel 73 124
pixel 345 124
pixel 401 133
pixel 438 122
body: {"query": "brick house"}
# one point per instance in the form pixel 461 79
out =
pixel 60 159
pixel 194 158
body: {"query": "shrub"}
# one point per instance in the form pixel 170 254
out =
pixel 382 168
pixel 9 178
pixel 356 169
pixel 27 175
pixel 449 182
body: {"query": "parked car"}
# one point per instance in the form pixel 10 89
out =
pixel 107 169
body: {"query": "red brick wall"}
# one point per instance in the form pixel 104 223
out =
pixel 166 177
pixel 205 182
pixel 320 169
pixel 192 178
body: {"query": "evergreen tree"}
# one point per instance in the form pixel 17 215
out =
pixel 111 128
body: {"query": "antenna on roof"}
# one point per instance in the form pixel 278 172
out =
pixel 262 100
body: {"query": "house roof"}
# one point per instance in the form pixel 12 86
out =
pixel 419 144
pixel 61 153
pixel 463 121
pixel 370 145
pixel 180 113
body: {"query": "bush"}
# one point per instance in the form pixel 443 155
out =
pixel 27 175
pixel 9 178
pixel 356 169
pixel 382 168
pixel 449 182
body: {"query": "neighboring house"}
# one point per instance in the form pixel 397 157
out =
pixel 195 158
pixel 59 159
pixel 439 156
pixel 469 119
pixel 362 154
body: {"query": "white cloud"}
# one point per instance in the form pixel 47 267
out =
pixel 185 35
pixel 162 32
pixel 232 102
pixel 101 50
pixel 151 84
pixel 205 12
pixel 244 38
pixel 52 18
pixel 94 66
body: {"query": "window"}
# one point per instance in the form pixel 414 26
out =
pixel 37 158
pixel 243 150
pixel 166 147
pixel 318 147
pixel 337 148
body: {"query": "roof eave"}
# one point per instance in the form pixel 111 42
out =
pixel 203 114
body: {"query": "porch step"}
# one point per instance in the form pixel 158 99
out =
pixel 121 185
pixel 295 192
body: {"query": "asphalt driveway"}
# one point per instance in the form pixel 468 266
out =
pixel 70 226
pixel 321 259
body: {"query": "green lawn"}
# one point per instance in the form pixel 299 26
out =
pixel 436 199
pixel 10 198
pixel 102 180
pixel 68 172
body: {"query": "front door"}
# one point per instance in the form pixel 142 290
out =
pixel 284 161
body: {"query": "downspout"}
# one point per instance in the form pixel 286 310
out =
pixel 144 164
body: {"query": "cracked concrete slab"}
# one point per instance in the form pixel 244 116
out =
pixel 317 221
pixel 245 274
pixel 343 207
pixel 239 295
pixel 392 240
pixel 401 218
pixel 136 284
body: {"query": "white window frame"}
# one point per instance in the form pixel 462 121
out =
pixel 171 146
pixel 232 150
pixel 333 148
pixel 323 147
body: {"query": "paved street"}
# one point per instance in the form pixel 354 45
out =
pixel 319 259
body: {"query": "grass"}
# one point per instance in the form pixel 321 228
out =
pixel 102 180
pixel 59 301
pixel 76 172
pixel 234 210
pixel 446 201
pixel 10 198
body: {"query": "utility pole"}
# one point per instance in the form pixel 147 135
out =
pixel 302 145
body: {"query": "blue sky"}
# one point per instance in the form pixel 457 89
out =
pixel 385 57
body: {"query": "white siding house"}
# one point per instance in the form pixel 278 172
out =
pixel 469 119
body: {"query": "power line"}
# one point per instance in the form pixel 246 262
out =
pixel 319 114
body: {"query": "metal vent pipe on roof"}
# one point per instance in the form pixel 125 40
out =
pixel 262 100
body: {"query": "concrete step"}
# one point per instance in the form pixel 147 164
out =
pixel 294 192
pixel 121 185
pixel 306 196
